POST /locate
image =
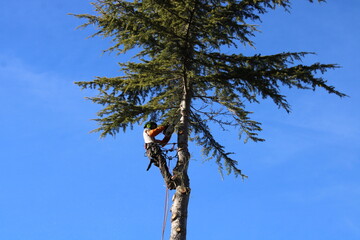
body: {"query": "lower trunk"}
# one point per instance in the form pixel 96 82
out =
pixel 179 213
pixel 179 209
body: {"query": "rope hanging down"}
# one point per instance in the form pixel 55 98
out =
pixel 166 206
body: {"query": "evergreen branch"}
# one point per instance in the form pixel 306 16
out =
pixel 213 115
pixel 212 149
pixel 121 115
pixel 128 25
pixel 167 6
pixel 263 75
pixel 236 109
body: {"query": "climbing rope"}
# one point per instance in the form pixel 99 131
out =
pixel 166 205
pixel 166 212
pixel 166 151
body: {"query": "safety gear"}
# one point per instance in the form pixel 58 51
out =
pixel 153 151
pixel 150 125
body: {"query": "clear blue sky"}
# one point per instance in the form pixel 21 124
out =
pixel 59 182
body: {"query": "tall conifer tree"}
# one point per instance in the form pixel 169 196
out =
pixel 180 66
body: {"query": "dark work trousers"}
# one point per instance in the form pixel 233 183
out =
pixel 156 156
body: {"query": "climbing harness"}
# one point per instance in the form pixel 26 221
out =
pixel 166 151
pixel 153 151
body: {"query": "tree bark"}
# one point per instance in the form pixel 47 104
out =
pixel 179 209
pixel 179 213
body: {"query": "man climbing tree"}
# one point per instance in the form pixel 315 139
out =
pixel 154 152
pixel 181 72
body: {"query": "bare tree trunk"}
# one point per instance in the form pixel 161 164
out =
pixel 179 209
pixel 179 213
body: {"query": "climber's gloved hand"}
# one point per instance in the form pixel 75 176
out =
pixel 165 127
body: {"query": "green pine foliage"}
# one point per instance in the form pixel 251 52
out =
pixel 179 47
